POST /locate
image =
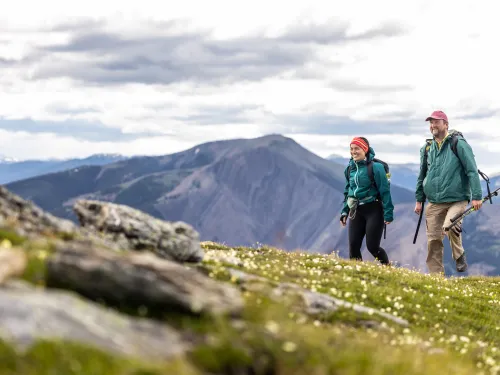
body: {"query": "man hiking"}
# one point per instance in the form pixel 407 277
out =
pixel 449 182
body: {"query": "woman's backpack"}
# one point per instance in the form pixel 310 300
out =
pixel 369 167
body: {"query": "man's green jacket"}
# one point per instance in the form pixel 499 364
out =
pixel 448 179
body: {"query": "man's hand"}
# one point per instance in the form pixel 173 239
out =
pixel 457 229
pixel 418 208
pixel 476 204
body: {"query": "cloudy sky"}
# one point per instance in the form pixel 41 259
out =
pixel 145 78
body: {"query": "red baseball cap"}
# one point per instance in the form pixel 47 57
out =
pixel 437 115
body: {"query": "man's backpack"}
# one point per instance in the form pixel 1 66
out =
pixel 453 145
pixel 369 166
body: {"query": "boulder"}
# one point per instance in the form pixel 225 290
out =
pixel 139 279
pixel 29 314
pixel 27 218
pixel 12 263
pixel 132 229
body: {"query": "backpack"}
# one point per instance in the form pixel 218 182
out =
pixel 453 145
pixel 369 166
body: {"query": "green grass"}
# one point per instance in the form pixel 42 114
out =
pixel 50 358
pixel 11 236
pixel 454 324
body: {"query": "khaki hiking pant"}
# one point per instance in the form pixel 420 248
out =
pixel 437 216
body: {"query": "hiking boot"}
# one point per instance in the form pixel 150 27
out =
pixel 462 263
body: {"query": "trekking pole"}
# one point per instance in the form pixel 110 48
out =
pixel 419 221
pixel 455 219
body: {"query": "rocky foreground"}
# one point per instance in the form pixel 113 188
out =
pixel 126 293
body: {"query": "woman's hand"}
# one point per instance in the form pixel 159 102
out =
pixel 343 220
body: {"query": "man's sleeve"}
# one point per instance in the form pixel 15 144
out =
pixel 419 191
pixel 466 155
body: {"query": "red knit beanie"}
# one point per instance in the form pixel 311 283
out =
pixel 361 143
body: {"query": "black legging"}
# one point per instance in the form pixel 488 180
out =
pixel 369 221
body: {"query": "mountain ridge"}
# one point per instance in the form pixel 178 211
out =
pixel 17 170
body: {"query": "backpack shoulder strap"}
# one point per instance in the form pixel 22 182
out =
pixel 348 172
pixel 428 143
pixel 454 142
pixel 453 145
pixel 369 167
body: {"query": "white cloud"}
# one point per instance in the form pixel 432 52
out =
pixel 50 145
pixel 422 59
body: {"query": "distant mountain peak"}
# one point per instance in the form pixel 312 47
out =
pixel 335 156
pixel 274 137
pixel 106 155
pixel 110 155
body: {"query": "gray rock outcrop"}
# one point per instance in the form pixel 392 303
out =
pixel 29 314
pixel 316 303
pixel 133 229
pixel 139 278
pixel 29 219
pixel 312 303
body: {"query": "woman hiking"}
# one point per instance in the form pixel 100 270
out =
pixel 368 202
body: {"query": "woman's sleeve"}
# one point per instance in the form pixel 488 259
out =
pixel 384 190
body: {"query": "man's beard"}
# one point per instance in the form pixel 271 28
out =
pixel 438 134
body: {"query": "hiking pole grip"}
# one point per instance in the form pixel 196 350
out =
pixel 454 220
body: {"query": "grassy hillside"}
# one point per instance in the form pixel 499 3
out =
pixel 453 323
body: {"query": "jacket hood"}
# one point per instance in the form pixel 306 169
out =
pixel 371 153
pixel 451 132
